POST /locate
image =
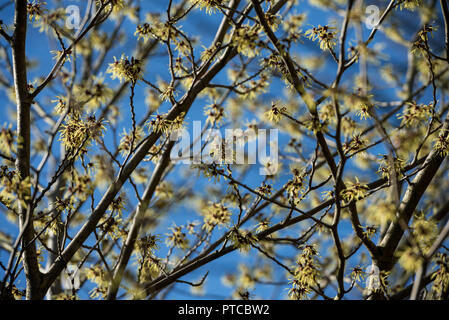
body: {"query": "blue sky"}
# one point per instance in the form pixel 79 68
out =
pixel 198 23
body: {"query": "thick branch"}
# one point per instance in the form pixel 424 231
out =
pixel 128 247
pixel 410 201
pixel 23 149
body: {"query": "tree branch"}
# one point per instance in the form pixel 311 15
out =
pixel 31 266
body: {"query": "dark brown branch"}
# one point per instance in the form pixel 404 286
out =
pixel 31 266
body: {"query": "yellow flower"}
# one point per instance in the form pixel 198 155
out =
pixel 216 214
pixel 93 94
pixel 385 166
pixel 296 186
pixel 209 6
pixel 127 142
pixel 298 291
pixel 242 240
pixel 442 145
pixel 410 4
pixel 168 94
pixel 61 104
pixel 144 31
pixel 441 276
pixel 7 146
pixel 327 113
pixel 410 260
pixel 159 124
pixel 126 69
pixel 262 225
pixel 305 273
pixel 164 190
pixel 214 113
pixel 275 114
pixel 79 133
pixel 356 191
pixel 148 243
pixel 325 35
pixel 177 238
pixel 414 114
pixel 424 230
pixel 99 276
pixel 357 143
pixel 35 10
pixel 246 39
pixel 357 274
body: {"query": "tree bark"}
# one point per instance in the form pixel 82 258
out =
pixel 31 266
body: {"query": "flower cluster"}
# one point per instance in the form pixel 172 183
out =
pixel 355 192
pixel 420 45
pixel 147 244
pixel 296 186
pixel 35 10
pixel 242 240
pixel 79 133
pixel 61 104
pixel 265 189
pixel 44 18
pixel 357 274
pixel 113 227
pixel 273 20
pixel 128 142
pixel 209 53
pixel 177 238
pixel 101 278
pixel 209 6
pixel 82 185
pixel 292 25
pixel 114 5
pixel 275 62
pixel 314 124
pixel 381 213
pixel 214 113
pixel 442 145
pixel 7 136
pixel 410 4
pixel 143 31
pixel 327 113
pixel 155 29
pixel 324 34
pixel 216 214
pixel 414 114
pixel 159 123
pixel 126 69
pixel 441 276
pixel 164 191
pixel 183 46
pixel 275 113
pixel 13 189
pixel 94 94
pixel 385 166
pixel 247 41
pixel 148 264
pixel 369 231
pixel 425 231
pixel 410 259
pixel 48 223
pixel 305 273
pixel 168 93
pixel 263 225
pixel 348 126
pixel 364 110
pixel 357 143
